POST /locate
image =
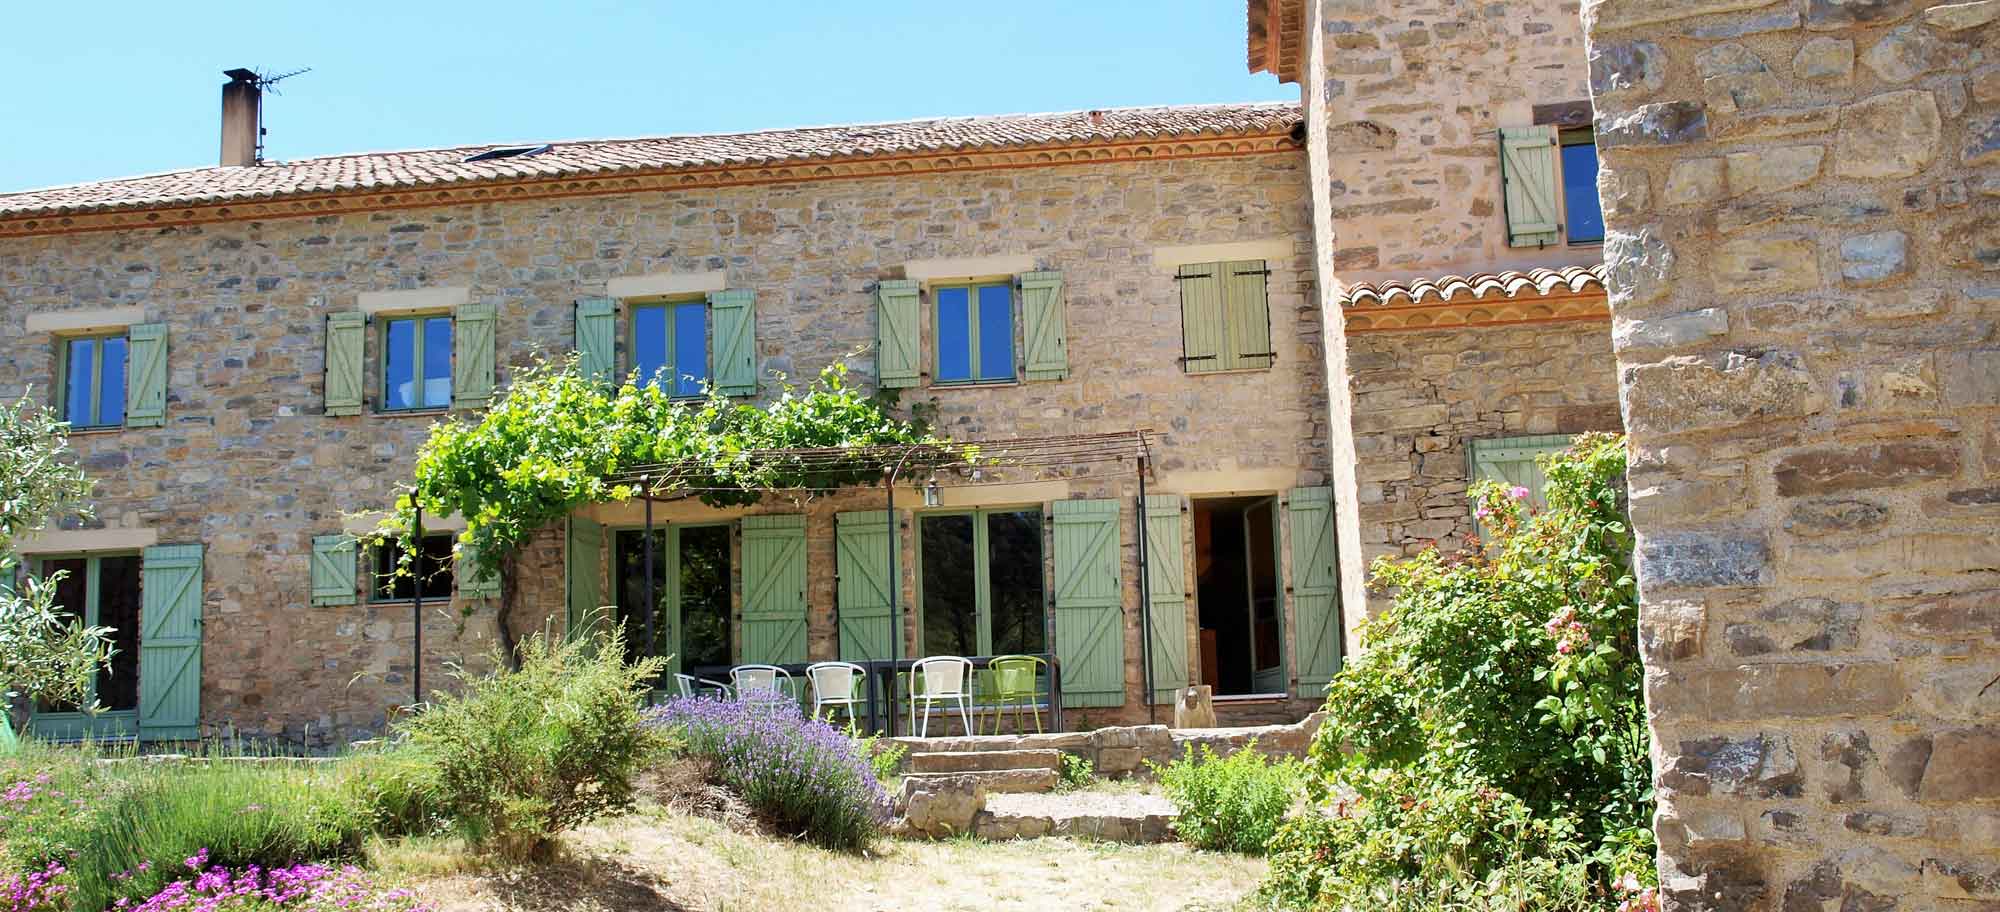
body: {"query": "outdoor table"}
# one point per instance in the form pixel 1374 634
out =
pixel 884 670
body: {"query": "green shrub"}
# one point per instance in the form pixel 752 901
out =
pixel 242 813
pixel 396 791
pixel 524 756
pixel 1233 803
pixel 1076 773
pixel 1490 737
pixel 885 760
pixel 50 799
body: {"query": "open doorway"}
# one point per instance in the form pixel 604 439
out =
pixel 1236 595
pixel 691 574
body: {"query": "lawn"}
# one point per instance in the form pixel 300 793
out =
pixel 659 859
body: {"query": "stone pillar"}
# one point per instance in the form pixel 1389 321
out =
pixel 1804 204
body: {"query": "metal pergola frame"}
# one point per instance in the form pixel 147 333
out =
pixel 976 463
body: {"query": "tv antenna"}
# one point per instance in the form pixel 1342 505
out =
pixel 263 83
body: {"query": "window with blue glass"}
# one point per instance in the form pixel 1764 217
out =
pixel 670 346
pixel 93 380
pixel 975 333
pixel 1582 213
pixel 416 362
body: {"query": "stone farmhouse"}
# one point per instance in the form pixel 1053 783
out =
pixel 251 354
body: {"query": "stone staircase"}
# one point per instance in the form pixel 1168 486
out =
pixel 999 771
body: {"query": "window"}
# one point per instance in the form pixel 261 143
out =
pixel 103 591
pixel 393 583
pixel 416 362
pixel 1511 461
pixel 982 582
pixel 1225 317
pixel 975 333
pixel 670 346
pixel 93 380
pixel 1584 219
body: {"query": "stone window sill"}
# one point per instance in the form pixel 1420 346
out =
pixel 981 384
pixel 410 413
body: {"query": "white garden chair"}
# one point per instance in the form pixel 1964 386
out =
pixel 836 685
pixel 762 683
pixel 940 680
pixel 691 686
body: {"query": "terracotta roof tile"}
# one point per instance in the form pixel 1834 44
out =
pixel 1568 280
pixel 431 167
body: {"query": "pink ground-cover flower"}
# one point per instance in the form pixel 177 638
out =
pixel 35 891
pixel 1517 492
pixel 300 888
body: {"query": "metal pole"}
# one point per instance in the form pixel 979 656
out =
pixel 895 607
pixel 417 603
pixel 1146 603
pixel 650 604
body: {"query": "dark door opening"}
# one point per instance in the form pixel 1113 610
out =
pixel 1236 595
pixel 691 574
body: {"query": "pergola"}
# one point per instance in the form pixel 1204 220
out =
pixel 968 463
pixel 975 462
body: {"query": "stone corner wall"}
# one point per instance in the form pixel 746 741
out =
pixel 1804 204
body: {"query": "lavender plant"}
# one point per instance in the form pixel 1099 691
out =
pixel 801 775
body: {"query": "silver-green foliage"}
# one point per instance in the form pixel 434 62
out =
pixel 44 654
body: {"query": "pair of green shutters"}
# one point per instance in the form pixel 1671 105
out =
pixel 170 586
pixel 774 584
pixel 1225 316
pixel 334 575
pixel 472 334
pixel 733 352
pixel 900 353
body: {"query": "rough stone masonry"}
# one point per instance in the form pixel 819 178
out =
pixel 1817 485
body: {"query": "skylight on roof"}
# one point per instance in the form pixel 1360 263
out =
pixel 506 152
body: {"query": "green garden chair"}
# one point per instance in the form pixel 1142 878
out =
pixel 1016 683
pixel 8 743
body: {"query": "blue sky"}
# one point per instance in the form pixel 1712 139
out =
pixel 109 89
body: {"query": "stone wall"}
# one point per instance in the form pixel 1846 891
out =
pixel 1805 234
pixel 250 466
pixel 1420 397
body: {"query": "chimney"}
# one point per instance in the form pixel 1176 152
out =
pixel 241 100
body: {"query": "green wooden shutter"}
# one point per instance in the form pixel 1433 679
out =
pixel 1045 325
pixel 1315 590
pixel 472 355
pixel 1511 461
pixel 1246 316
pixel 170 643
pixel 333 569
pixel 472 582
pixel 1090 617
pixel 346 344
pixel 1528 179
pixel 584 568
pixel 146 376
pixel 1203 340
pixel 1166 590
pixel 774 589
pixel 898 345
pixel 735 354
pixel 862 585
pixel 597 339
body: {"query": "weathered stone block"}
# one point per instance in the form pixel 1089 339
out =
pixel 1910 51
pixel 1840 14
pixel 1627 67
pixel 1983 144
pixel 1964 766
pixel 1777 20
pixel 1974 243
pixel 1912 556
pixel 1835 469
pixel 1771 170
pixel 1866 259
pixel 1958 17
pixel 1609 15
pixel 1825 59
pixel 1798 625
pixel 1667 123
pixel 1727 58
pixel 1682 500
pixel 1695 180
pixel 1778 123
pixel 1721 390
pixel 1963 616
pixel 1637 266
pixel 1672 631
pixel 1760 766
pixel 1623 191
pixel 1895 134
pixel 1702 560
pixel 1971 378
pixel 1762 265
pixel 1803 691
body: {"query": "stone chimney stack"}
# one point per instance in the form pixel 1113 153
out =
pixel 241 102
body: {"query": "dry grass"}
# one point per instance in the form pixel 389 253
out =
pixel 661 859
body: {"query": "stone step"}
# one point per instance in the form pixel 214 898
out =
pixel 1005 781
pixel 985 761
pixel 1131 819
